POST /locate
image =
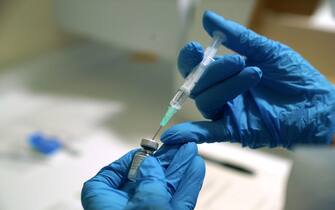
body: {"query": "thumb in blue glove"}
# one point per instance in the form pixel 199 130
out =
pixel 266 95
pixel 151 190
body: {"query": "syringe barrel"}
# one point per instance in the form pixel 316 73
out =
pixel 191 80
pixel 179 98
pixel 194 76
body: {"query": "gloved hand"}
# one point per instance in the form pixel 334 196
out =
pixel 269 96
pixel 170 180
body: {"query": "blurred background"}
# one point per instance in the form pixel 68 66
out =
pixel 81 82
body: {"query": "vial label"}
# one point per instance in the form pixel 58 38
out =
pixel 137 160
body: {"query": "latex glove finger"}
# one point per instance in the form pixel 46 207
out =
pixel 177 164
pixel 101 191
pixel 189 187
pixel 198 132
pixel 189 57
pixel 221 69
pixel 223 130
pixel 211 101
pixel 239 38
pixel 286 71
pixel 151 191
pixel 166 153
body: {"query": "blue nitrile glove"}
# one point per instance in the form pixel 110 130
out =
pixel 269 96
pixel 170 180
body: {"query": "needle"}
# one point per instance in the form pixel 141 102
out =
pixel 160 127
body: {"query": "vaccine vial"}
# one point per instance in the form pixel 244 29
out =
pixel 149 146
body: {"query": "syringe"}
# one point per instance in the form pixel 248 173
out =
pixel 149 146
pixel 191 80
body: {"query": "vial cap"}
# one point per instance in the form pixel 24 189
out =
pixel 149 144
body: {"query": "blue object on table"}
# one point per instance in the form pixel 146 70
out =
pixel 43 144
